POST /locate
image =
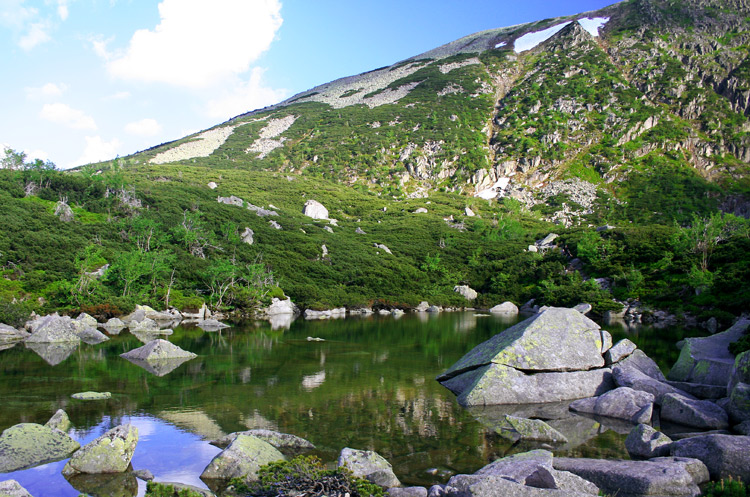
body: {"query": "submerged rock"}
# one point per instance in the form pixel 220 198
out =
pixel 242 459
pixel 27 444
pixel 212 325
pixel 369 465
pixel 110 453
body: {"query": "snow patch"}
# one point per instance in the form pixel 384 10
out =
pixel 531 40
pixel 500 45
pixel 593 25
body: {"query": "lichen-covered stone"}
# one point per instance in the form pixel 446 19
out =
pixel 9 334
pixel 11 488
pixel 370 465
pixel 110 453
pixel 535 430
pixel 27 444
pixel 725 456
pixel 158 350
pixel 281 441
pixel 92 396
pixel 59 421
pixel 53 329
pixel 646 442
pixel 242 459
pixel 556 339
pixel 619 351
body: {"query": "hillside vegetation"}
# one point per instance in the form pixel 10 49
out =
pixel 643 128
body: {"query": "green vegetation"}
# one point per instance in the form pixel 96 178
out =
pixel 305 474
pixel 725 488
pixel 154 489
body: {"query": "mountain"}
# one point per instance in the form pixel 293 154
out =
pixel 442 170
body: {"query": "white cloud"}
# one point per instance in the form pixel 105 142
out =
pixel 64 114
pixel 14 15
pixel 200 42
pixel 98 150
pixel 36 35
pixel 62 9
pixel 37 154
pixel 244 96
pixel 47 91
pixel 99 45
pixel 144 127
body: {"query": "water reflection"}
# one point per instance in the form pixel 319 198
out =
pixel 53 353
pixel 160 367
pixel 106 485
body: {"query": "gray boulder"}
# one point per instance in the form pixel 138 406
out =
pixel 621 403
pixel 701 390
pixel 498 486
pixel 87 320
pixel 505 308
pixel 53 329
pixel 738 389
pixel 114 324
pixel 639 372
pixel 724 455
pixel 466 291
pixel 498 384
pixel 242 459
pixel 27 445
pixel 158 350
pixel 92 336
pixel 619 351
pixel 743 428
pixel 109 453
pixel 9 334
pixel 407 492
pixel 280 307
pixel 708 360
pixel 59 421
pixel 92 396
pixel 556 339
pixel 11 488
pixel 282 441
pixel 583 308
pixel 315 210
pixel 656 477
pixel 145 324
pixel 645 442
pixel 533 430
pixel 369 465
pixel 690 412
pixel 212 325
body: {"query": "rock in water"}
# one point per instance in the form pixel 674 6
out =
pixel 92 396
pixel 11 488
pixel 53 329
pixel 242 459
pixel 105 484
pixel 158 350
pixel 505 308
pixel 212 325
pixel 621 403
pixel 59 421
pixel 110 453
pixel 27 444
pixel 696 413
pixel 534 430
pixel 369 465
pixel 279 440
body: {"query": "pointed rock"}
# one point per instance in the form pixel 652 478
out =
pixel 110 453
pixel 242 459
pixel 59 421
pixel 156 350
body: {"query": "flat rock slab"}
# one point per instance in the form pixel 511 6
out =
pixel 725 455
pixel 619 351
pixel 621 403
pixel 92 396
pixel 109 453
pixel 657 477
pixel 11 488
pixel 242 459
pixel 281 441
pixel 370 465
pixel 532 430
pixel 696 413
pixel 497 486
pixel 27 445
pixel 556 339
pixel 708 360
pixel 498 384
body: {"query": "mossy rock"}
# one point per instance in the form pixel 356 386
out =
pixel 110 453
pixel 28 444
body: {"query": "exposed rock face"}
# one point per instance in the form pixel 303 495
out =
pixel 725 455
pixel 282 441
pixel 110 453
pixel 661 476
pixel 382 247
pixel 315 210
pixel 645 442
pixel 505 308
pixel 27 444
pixel 552 356
pixel 370 465
pixel 738 389
pixel 696 413
pixel 466 292
pixel 242 459
pixel 114 324
pixel 59 421
pixel 621 403
pixel 247 236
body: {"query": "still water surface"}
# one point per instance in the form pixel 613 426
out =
pixel 369 385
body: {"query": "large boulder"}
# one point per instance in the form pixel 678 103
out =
pixel 9 334
pixel 369 465
pixel 109 453
pixel 242 459
pixel 282 441
pixel 556 339
pixel 466 292
pixel 702 414
pixel 708 360
pixel 59 421
pixel 27 444
pixel 11 488
pixel 639 372
pixel 53 329
pixel 619 351
pixel 738 389
pixel 505 308
pixel 621 403
pixel 158 350
pixel 315 210
pixel 725 455
pixel 280 307
pixel 656 477
pixel 646 442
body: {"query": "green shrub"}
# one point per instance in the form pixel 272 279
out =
pixel 740 346
pixel 303 475
pixel 725 488
pixel 154 489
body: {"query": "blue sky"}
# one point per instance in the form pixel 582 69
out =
pixel 87 80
